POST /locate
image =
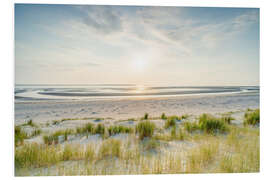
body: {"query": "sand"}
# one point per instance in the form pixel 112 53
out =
pixel 121 109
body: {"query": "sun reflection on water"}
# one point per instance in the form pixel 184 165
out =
pixel 140 89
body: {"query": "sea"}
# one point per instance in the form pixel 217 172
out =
pixel 49 92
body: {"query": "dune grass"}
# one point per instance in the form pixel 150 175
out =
pixel 34 133
pixel 146 115
pixel 40 155
pixel 184 116
pixel 209 151
pixel 20 135
pixel 236 152
pixel 88 128
pixel 252 117
pixel 191 126
pixel 163 116
pixel 245 145
pixel 227 119
pixel 208 124
pixel 200 157
pixel 112 130
pixel 30 123
pixel 54 137
pixel 145 129
pixel 171 121
pixel 175 134
pixel 110 147
pixel 100 129
pixel 34 155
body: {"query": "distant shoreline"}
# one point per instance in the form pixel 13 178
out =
pixel 91 92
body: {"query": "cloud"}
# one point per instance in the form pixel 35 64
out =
pixel 103 19
pixel 102 32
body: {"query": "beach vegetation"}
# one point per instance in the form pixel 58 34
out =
pixel 163 116
pixel 99 119
pixel 35 155
pixel 171 121
pixel 155 151
pixel 191 126
pixel 211 124
pixel 207 123
pixel 252 117
pixel 30 122
pixel 89 128
pixel 54 137
pixel 184 116
pixel 73 152
pixel 36 132
pixel 20 135
pixel 227 119
pixel 100 129
pixel 201 157
pixel 47 124
pixel 47 140
pixel 89 153
pixel 173 135
pixel 145 129
pixel 145 116
pixel 181 135
pixel 173 132
pixel 110 147
pixel 112 130
pixel 56 122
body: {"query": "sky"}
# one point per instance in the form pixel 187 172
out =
pixel 185 46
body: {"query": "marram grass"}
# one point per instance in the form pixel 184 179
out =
pixel 148 152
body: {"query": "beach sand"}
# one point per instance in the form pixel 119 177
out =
pixel 120 109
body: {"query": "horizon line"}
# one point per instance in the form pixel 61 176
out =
pixel 132 84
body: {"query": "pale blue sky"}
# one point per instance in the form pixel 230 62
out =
pixel 68 44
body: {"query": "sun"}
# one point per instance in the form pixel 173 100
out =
pixel 139 64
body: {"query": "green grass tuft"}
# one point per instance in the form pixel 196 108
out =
pixel 89 128
pixel 252 117
pixel 191 126
pixel 227 119
pixel 100 129
pixel 210 124
pixel 146 116
pixel 171 121
pixel 112 130
pixel 30 123
pixel 53 138
pixel 163 116
pixel 184 116
pixel 20 135
pixel 145 129
pixel 36 132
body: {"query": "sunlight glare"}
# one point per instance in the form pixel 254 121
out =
pixel 139 64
